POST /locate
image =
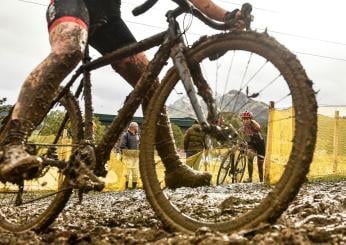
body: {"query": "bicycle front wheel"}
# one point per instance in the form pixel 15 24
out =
pixel 266 71
pixel 239 168
pixel 34 204
pixel 225 165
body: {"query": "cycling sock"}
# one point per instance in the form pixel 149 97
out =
pixel 250 168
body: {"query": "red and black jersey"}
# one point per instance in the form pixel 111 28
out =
pixel 82 12
pixel 254 138
pixel 67 11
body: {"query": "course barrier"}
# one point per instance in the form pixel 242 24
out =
pixel 329 159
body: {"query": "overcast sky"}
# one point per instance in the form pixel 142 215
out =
pixel 313 30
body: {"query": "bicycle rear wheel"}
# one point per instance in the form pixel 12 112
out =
pixel 224 167
pixel 34 204
pixel 289 81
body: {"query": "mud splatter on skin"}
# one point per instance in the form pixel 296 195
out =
pixel 68 43
pixel 318 215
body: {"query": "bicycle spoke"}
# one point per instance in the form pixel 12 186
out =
pixel 270 83
pixel 252 78
pixel 227 81
pixel 47 190
pixel 252 74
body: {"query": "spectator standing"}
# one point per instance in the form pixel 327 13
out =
pixel 194 142
pixel 130 143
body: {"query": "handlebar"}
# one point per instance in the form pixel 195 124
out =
pixel 150 3
pixel 184 6
pixel 144 7
pixel 245 11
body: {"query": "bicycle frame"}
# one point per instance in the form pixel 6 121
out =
pixel 170 43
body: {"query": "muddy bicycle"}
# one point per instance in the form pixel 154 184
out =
pixel 199 69
pixel 233 163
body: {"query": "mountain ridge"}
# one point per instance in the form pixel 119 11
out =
pixel 232 101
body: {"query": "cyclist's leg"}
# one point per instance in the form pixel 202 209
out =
pixel 68 38
pixel 260 162
pixel 250 154
pixel 127 177
pixel 135 172
pixel 260 159
pixel 232 160
pixel 114 35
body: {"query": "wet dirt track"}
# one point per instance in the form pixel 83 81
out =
pixel 317 216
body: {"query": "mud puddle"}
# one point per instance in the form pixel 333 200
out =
pixel 317 216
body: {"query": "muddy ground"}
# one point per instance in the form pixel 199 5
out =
pixel 317 216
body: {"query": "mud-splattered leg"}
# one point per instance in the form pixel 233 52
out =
pixel 68 42
pixel 251 155
pixel 260 162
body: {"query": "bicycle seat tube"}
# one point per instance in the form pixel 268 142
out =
pixel 88 133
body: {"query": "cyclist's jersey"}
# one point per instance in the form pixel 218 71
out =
pixel 109 37
pixel 82 11
pixel 67 11
pixel 250 132
pixel 254 139
pixel 103 9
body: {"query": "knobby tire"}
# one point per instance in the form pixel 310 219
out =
pixel 43 220
pixel 305 106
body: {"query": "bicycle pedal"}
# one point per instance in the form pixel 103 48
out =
pixel 85 183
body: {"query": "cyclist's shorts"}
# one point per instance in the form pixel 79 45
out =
pixel 111 36
pixel 259 147
pixel 60 11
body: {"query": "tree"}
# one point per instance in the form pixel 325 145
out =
pixel 231 118
pixel 4 109
pixel 99 129
pixel 51 123
pixel 178 136
pixel 53 120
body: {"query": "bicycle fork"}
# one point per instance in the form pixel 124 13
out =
pixel 210 125
pixel 185 76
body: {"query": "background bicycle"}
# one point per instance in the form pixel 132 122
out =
pixel 233 164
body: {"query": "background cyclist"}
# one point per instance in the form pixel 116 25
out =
pixel 256 145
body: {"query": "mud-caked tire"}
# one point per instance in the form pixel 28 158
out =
pixel 44 206
pixel 305 121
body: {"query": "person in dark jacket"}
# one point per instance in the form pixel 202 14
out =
pixel 130 143
pixel 194 142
